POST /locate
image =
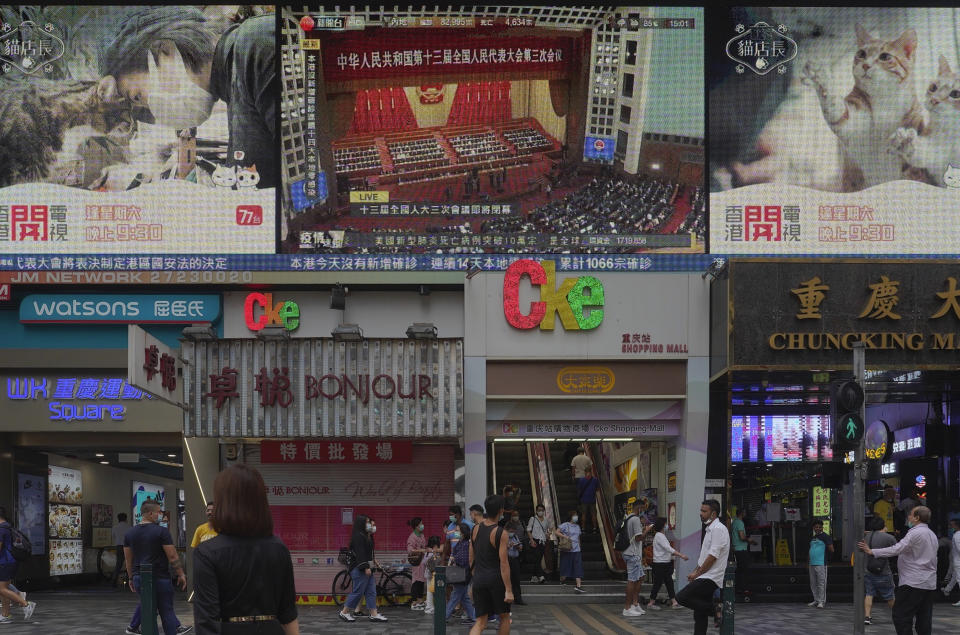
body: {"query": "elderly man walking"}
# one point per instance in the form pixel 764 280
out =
pixel 917 563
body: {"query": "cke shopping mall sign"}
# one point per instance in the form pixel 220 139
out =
pixel 808 313
pixel 578 301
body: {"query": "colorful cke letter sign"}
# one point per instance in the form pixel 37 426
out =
pixel 573 300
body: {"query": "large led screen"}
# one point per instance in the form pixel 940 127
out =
pixel 768 438
pixel 834 130
pixel 492 129
pixel 133 130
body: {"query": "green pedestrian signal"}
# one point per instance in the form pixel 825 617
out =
pixel 846 400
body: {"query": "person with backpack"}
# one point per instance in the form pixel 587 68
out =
pixel 877 579
pixel 14 548
pixel 460 557
pixel 629 543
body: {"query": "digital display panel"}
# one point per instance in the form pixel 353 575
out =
pixel 833 130
pixel 492 130
pixel 138 130
pixel 769 438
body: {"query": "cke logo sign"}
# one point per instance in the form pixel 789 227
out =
pixel 260 311
pixel 577 300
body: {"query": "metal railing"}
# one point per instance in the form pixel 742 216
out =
pixel 608 528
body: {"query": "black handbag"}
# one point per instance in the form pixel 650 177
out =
pixel 874 564
pixel 456 575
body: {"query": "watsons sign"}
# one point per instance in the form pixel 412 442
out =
pixel 119 309
pixel 578 301
pixel 69 398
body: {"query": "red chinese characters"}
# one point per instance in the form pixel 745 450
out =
pixel 223 386
pixel 345 451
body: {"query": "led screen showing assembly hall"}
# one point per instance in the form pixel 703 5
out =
pixel 484 129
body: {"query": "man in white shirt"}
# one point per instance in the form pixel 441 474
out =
pixel 711 565
pixel 117 534
pixel 580 463
pixel 917 563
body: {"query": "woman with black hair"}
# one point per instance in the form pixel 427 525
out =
pixel 416 548
pixel 663 554
pixel 361 544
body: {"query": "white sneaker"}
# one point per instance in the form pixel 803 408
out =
pixel 955 604
pixel 819 605
pixel 29 609
pixel 5 620
pixel 534 580
pixel 814 603
pixel 346 617
pixel 638 609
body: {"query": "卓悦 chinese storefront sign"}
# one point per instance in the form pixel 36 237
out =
pixel 346 451
pixel 790 313
pixel 323 388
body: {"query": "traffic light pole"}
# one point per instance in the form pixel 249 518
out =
pixel 859 473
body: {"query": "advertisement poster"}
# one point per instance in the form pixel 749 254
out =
pixel 64 485
pixel 113 148
pixel 31 510
pixel 625 485
pixel 143 491
pixel 648 504
pixel 672 482
pixel 64 521
pixel 66 557
pixel 672 515
pixel 833 130
pixel 101 515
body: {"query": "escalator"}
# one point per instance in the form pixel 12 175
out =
pixel 541 470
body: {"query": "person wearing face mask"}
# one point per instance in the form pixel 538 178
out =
pixel 452 523
pixel 173 64
pixel 364 586
pixel 711 565
pixel 149 543
pixel 571 562
pixel 416 549
pixel 917 563
pixel 540 531
pixel 820 545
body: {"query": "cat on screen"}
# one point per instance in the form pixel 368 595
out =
pixel 937 149
pixel 882 101
pixel 951 178
pixel 224 177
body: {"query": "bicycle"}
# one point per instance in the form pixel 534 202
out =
pixel 393 585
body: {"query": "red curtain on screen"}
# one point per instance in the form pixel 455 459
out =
pixel 480 103
pixel 382 109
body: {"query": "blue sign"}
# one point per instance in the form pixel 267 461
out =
pixel 598 149
pixel 119 309
pixel 909 442
pixel 298 193
pixel 64 393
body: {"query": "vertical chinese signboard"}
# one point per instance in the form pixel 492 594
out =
pixel 322 388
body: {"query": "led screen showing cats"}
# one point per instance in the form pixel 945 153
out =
pixel 834 130
pixel 492 130
pixel 138 130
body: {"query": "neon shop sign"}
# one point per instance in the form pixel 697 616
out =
pixel 578 301
pixel 66 396
pixel 259 311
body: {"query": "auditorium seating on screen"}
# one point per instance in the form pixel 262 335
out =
pixel 478 147
pixel 417 154
pixel 527 140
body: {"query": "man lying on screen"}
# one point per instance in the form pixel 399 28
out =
pixel 173 63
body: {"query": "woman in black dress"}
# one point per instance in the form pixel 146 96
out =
pixel 243 578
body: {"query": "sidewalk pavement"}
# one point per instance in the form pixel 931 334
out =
pixel 104 612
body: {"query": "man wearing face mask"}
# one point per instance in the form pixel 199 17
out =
pixel 175 63
pixel 149 543
pixel 452 524
pixel 711 565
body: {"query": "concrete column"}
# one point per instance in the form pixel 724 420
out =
pixel 475 429
pixel 692 459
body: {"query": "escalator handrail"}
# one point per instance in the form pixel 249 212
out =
pixel 608 535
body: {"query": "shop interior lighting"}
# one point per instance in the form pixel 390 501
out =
pixel 624 439
pixel 105 462
pixel 99 455
pixel 199 333
pixel 273 333
pixel 422 331
pixel 171 456
pixel 338 297
pixel 510 440
pixel 347 333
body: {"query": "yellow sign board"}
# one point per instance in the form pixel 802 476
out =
pixel 821 501
pixel 783 552
pixel 369 197
pixel 310 44
pixel 585 380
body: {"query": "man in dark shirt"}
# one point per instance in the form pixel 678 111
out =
pixel 237 65
pixel 492 588
pixel 149 543
pixel 587 495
